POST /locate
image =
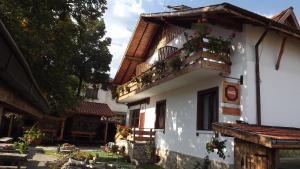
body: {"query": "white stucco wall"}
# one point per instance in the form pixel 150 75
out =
pixel 279 89
pixel 181 104
pixel 279 93
pixel 106 97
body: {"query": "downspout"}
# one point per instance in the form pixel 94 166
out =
pixel 257 77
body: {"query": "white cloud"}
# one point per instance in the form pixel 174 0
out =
pixel 266 15
pixel 120 19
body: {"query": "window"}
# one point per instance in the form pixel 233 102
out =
pixel 91 93
pixel 207 108
pixel 160 114
pixel 134 119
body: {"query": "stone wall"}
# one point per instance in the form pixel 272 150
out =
pixel 137 153
pixel 174 160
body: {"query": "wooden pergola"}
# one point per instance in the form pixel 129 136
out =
pixel 96 111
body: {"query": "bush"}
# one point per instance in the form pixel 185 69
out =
pixel 175 63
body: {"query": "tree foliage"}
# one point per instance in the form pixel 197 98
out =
pixel 64 42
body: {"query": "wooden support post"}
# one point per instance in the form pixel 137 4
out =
pixel 62 130
pixel 106 128
pixel 10 125
pixel 280 53
pixel 1 114
pixel 275 160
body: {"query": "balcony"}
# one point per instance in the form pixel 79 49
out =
pixel 178 68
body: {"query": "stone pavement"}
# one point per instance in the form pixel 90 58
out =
pixel 38 160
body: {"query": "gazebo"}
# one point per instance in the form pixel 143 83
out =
pixel 88 120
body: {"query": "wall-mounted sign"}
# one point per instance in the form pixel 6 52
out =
pixel 231 92
pixel 231 98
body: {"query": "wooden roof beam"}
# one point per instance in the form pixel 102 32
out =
pixel 280 53
pixel 135 59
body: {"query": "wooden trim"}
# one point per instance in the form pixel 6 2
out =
pixel 135 59
pixel 231 111
pixel 139 102
pixel 10 98
pixel 280 53
pixel 156 123
pixel 243 135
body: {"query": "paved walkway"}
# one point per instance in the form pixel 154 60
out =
pixel 38 160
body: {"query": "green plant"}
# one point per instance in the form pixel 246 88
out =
pixel 216 145
pixel 193 43
pixel 122 132
pixel 146 78
pixel 21 146
pixel 218 45
pixel 160 68
pixel 33 136
pixel 127 88
pixel 120 90
pixel 175 63
pixel 137 79
pixel 149 150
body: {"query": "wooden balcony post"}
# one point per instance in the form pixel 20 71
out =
pixel 62 130
pixel 133 134
pixel 106 128
pixel 1 114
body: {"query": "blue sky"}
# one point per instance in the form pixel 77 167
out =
pixel 122 15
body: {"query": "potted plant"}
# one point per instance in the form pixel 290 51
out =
pixel 122 132
pixel 160 68
pixel 146 78
pixel 33 136
pixel 216 145
pixel 175 63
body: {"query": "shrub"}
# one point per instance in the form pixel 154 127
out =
pixel 175 63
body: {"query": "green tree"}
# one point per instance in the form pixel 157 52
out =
pixel 64 43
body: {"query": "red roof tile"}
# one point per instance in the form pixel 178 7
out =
pixel 91 108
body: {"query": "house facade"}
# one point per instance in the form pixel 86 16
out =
pixel 189 68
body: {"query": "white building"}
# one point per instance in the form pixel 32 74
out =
pixel 182 105
pixel 96 95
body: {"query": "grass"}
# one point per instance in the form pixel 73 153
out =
pixel 51 153
pixel 151 166
pixel 109 158
pixel 289 153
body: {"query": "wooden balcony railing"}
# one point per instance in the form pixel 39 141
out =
pixel 143 134
pixel 203 58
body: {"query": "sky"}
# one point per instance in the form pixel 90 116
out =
pixel 122 15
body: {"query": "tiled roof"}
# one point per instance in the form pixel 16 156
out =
pixel 91 108
pixel 269 136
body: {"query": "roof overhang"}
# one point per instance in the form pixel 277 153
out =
pixel 268 136
pixel 16 75
pixel 225 14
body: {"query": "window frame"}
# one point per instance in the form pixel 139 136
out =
pixel 200 114
pixel 156 123
pixel 134 116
